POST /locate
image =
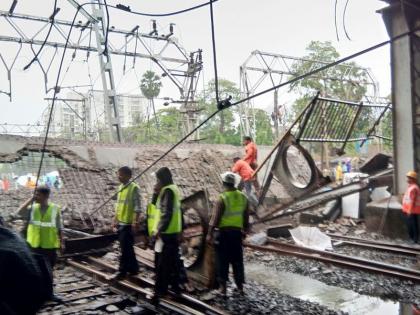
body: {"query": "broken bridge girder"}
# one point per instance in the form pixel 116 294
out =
pixel 322 120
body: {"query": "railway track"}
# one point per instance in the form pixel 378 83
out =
pixel 357 263
pixel 400 249
pixel 141 288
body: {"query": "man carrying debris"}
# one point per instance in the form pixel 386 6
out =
pixel 251 155
pixel 228 224
pixel 44 233
pixel 411 206
pixel 167 233
pixel 246 172
pixel 126 221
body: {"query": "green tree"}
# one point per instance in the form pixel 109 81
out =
pixel 169 130
pixel 222 128
pixel 264 130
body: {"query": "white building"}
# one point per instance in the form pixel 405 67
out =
pixel 78 115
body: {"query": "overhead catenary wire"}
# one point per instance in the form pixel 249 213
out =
pixel 335 20
pixel 213 40
pixel 344 20
pixel 55 11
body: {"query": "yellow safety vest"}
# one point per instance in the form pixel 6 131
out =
pixel 125 203
pixel 42 229
pixel 235 204
pixel 153 215
pixel 175 225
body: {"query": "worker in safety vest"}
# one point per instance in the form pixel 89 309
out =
pixel 167 231
pixel 411 206
pixel 228 225
pixel 127 221
pixel 44 233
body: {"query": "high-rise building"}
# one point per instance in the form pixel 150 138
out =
pixel 83 116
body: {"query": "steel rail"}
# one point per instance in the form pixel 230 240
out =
pixel 180 303
pixel 402 248
pixel 131 287
pixel 338 259
pixel 389 249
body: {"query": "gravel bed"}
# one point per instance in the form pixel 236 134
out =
pixel 361 282
pixel 260 299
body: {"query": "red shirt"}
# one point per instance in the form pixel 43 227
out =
pixel 243 169
pixel 250 153
pixel 411 200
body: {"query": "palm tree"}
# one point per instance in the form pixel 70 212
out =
pixel 150 87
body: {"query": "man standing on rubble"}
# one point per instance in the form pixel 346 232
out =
pixel 167 233
pixel 411 206
pixel 246 172
pixel 228 225
pixel 126 221
pixel 251 155
pixel 44 233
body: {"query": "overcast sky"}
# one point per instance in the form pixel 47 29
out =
pixel 278 26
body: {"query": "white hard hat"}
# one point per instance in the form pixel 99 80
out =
pixel 229 178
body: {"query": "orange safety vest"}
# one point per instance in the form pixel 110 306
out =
pixel 411 200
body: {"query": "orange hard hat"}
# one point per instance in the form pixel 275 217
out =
pixel 412 174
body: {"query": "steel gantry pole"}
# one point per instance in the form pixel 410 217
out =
pixel 107 76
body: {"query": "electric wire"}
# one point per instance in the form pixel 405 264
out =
pixel 44 145
pixel 45 40
pixel 105 52
pixel 213 40
pixel 335 20
pixel 344 20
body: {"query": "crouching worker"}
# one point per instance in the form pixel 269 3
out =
pixel 44 233
pixel 167 232
pixel 228 224
pixel 126 221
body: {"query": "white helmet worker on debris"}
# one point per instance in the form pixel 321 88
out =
pixel 231 178
pixel 229 222
pixel 411 206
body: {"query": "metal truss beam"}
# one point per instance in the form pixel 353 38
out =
pixel 180 67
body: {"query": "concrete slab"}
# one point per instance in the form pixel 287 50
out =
pixel 385 217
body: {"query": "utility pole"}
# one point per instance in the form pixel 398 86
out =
pixel 107 76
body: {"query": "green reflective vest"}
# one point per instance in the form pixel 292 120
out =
pixel 153 215
pixel 175 225
pixel 235 204
pixel 125 203
pixel 42 229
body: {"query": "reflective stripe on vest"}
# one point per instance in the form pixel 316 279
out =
pixel 125 203
pixel 153 215
pixel 408 203
pixel 42 229
pixel 175 225
pixel 235 204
